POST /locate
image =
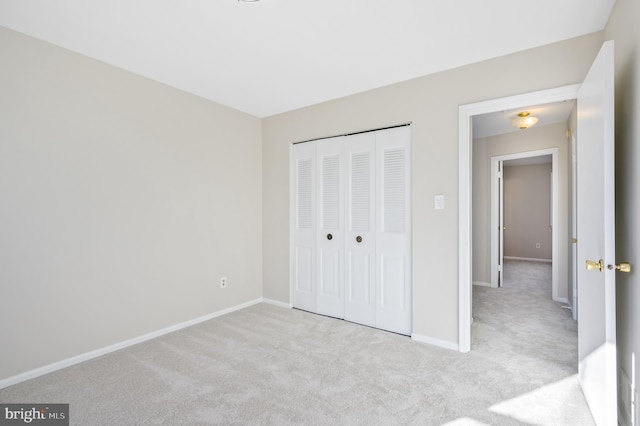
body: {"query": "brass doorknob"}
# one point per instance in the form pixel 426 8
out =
pixel 359 239
pixel 622 267
pixel 591 265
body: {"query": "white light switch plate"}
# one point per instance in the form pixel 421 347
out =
pixel 438 202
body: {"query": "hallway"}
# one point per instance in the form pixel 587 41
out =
pixel 520 322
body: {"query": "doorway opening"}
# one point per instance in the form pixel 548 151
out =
pixel 594 215
pixel 465 182
pixel 524 212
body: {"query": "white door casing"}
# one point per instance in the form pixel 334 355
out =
pixel 596 227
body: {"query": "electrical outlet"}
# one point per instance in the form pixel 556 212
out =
pixel 537 245
pixel 223 282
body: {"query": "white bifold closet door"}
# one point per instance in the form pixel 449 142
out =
pixel 304 234
pixel 360 244
pixel 352 228
pixel 330 229
pixel 393 230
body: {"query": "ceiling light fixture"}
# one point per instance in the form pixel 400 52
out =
pixel 524 120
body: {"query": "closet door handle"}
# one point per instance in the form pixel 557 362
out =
pixel 329 237
pixel 359 239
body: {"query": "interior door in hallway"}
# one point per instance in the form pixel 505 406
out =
pixel 497 222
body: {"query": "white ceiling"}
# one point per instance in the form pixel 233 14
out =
pixel 274 56
pixel 497 123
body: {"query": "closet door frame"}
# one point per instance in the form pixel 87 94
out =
pixel 396 316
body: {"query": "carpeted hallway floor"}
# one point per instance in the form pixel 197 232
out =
pixel 269 365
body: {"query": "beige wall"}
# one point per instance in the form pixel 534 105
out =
pixel 527 211
pixel 431 104
pixel 623 28
pixel 535 138
pixel 481 213
pixel 123 203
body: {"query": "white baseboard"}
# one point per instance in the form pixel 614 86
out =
pixel 277 303
pixel 528 259
pixel 435 342
pixel 40 371
pixel 482 284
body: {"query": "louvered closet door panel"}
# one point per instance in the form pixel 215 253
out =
pixel 393 230
pixel 330 236
pixel 304 226
pixel 360 244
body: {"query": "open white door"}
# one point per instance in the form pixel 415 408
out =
pixel 596 245
pixel 501 226
pixel 497 222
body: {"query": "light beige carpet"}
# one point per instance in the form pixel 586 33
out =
pixel 269 365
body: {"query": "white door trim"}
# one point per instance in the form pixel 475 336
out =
pixel 554 214
pixel 465 140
